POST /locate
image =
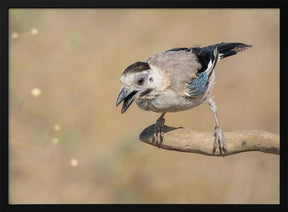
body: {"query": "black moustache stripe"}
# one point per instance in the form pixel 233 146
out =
pixel 145 92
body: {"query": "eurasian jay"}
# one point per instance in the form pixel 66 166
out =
pixel 176 80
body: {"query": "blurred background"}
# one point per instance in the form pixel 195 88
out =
pixel 68 143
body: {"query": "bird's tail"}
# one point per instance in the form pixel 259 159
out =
pixel 209 56
pixel 229 49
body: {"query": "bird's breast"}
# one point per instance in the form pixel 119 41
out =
pixel 168 101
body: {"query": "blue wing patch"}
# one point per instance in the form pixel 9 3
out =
pixel 198 85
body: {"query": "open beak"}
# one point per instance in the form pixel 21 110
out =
pixel 128 95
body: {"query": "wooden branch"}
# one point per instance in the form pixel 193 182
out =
pixel 186 140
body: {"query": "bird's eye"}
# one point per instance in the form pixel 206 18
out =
pixel 141 81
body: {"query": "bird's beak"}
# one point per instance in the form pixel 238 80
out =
pixel 128 95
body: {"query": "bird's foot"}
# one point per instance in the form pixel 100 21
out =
pixel 159 131
pixel 219 138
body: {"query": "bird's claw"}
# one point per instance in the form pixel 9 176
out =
pixel 219 138
pixel 159 131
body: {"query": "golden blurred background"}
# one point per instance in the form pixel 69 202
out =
pixel 68 143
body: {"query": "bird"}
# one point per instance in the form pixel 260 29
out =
pixel 176 80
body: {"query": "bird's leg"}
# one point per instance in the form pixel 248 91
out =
pixel 159 130
pixel 219 137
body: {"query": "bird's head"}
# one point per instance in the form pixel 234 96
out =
pixel 137 81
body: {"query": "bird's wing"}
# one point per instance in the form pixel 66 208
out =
pixel 189 69
pixel 208 57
